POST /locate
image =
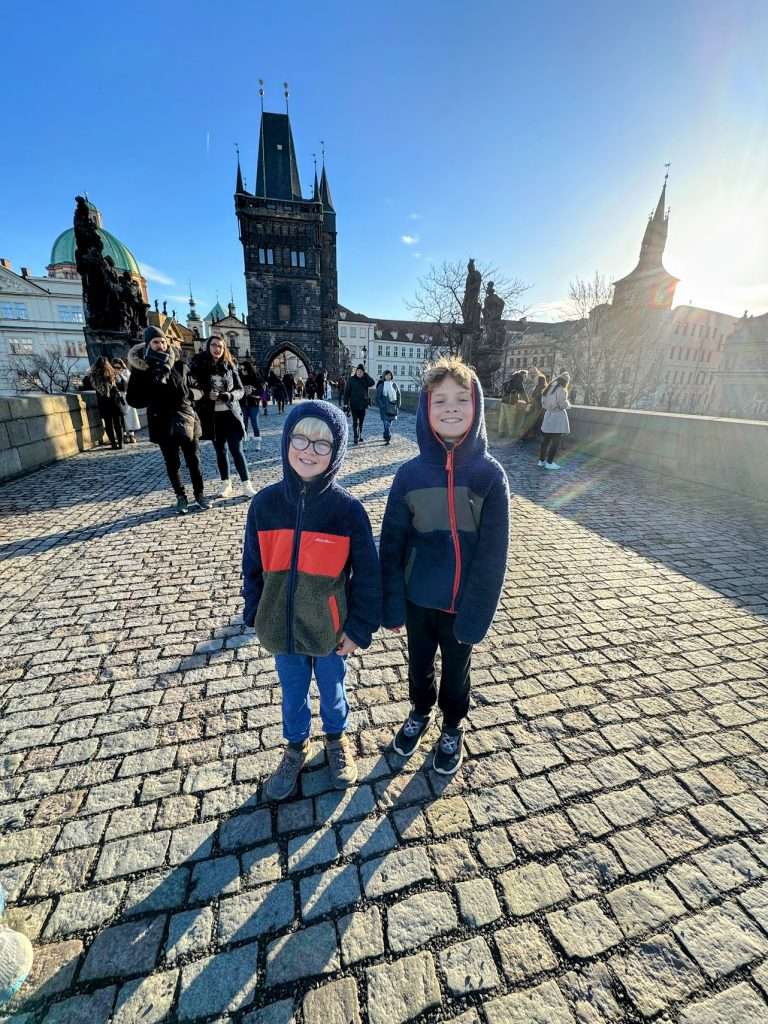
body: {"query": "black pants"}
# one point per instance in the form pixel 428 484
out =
pixel 358 418
pixel 549 445
pixel 171 453
pixel 229 434
pixel 427 630
pixel 111 414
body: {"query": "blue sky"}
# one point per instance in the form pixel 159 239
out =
pixel 529 136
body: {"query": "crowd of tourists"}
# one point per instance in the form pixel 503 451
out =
pixel 546 405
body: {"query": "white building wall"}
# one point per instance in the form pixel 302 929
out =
pixel 38 315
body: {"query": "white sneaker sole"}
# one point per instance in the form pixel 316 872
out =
pixel 402 753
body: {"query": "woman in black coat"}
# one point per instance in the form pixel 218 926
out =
pixel 356 399
pixel 249 404
pixel 105 380
pixel 214 373
pixel 160 383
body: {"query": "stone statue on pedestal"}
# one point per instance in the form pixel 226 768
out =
pixel 470 307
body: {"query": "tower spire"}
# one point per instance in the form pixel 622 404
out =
pixel 239 187
pixel 325 188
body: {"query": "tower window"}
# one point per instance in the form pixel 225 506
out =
pixel 283 298
pixel 302 260
pixel 262 256
pixel 270 257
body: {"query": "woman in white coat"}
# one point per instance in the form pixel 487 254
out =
pixel 131 421
pixel 554 402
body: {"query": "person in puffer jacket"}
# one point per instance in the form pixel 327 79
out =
pixel 312 587
pixel 443 553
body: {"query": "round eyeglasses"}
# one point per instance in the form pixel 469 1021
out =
pixel 301 443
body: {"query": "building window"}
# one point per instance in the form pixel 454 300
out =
pixel 270 257
pixel 262 256
pixel 353 332
pixel 71 314
pixel 380 352
pixel 302 260
pixel 294 258
pixel 20 346
pixel 13 311
pixel 386 352
pixel 402 371
pixel 342 332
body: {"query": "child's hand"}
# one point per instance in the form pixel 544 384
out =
pixel 346 646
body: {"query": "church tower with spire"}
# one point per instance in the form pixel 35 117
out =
pixel 289 251
pixel 649 285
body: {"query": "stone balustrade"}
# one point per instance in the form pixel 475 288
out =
pixel 36 430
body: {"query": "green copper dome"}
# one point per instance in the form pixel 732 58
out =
pixel 217 313
pixel 63 251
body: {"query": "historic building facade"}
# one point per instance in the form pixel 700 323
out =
pixel 289 250
pixel 741 381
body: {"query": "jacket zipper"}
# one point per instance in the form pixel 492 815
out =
pixel 454 531
pixel 294 564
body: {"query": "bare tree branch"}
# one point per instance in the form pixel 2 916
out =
pixel 50 373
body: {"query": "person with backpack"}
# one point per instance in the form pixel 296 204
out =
pixel 388 401
pixel 105 381
pixel 554 401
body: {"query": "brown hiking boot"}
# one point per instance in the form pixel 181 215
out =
pixel 283 781
pixel 341 762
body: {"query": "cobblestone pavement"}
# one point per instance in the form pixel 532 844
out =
pixel 602 856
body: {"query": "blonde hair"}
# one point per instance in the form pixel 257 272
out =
pixel 449 366
pixel 313 428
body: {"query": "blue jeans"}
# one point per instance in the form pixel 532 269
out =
pixel 229 435
pixel 295 673
pixel 387 426
pixel 251 415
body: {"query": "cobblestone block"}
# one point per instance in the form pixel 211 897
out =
pixel 146 1000
pixel 191 843
pixel 360 936
pixel 344 806
pixel 721 939
pixel 736 1005
pixel 533 888
pixel 27 844
pixel 218 984
pixel 693 886
pixel 494 848
pixel 416 920
pixel 469 967
pixel 583 930
pixel 163 891
pixel 644 906
pixel 335 1003
pixel 546 833
pixel 330 890
pixel 245 830
pixel 62 872
pixel 655 973
pixel 524 952
pixel 478 904
pixel 262 864
pixel 303 954
pixel 82 911
pixel 543 1004
pixel 590 869
pixel 93 1008
pixel 637 853
pixel 394 872
pixel 453 859
pixel 124 950
pixel 367 838
pixel 276 1013
pixel 255 912
pixel 729 866
pixel 400 991
pixel 217 877
pixel 189 932
pixel 312 849
pixel 128 856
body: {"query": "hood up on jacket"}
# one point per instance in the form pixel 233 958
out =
pixel 337 423
pixel 474 442
pixel 136 360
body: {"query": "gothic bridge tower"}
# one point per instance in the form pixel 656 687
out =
pixel 649 286
pixel 289 250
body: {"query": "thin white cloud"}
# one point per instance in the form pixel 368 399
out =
pixel 179 298
pixel 153 274
pixel 414 216
pixel 409 239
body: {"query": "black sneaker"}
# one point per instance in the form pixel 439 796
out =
pixel 202 502
pixel 409 734
pixel 450 751
pixel 181 504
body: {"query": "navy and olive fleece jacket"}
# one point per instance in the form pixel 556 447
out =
pixel 445 534
pixel 310 568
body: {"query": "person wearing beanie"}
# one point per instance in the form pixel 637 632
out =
pixel 388 401
pixel 15 958
pixel 554 402
pixel 356 399
pixel 311 588
pixel 160 383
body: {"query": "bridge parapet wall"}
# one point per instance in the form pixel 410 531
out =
pixel 36 430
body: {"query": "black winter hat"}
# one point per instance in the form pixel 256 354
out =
pixel 360 367
pixel 150 333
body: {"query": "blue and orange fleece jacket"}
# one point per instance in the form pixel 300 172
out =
pixel 445 534
pixel 310 568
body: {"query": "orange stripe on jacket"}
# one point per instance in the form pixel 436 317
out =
pixel 323 554
pixel 276 547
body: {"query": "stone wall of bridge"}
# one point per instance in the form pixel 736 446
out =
pixel 36 430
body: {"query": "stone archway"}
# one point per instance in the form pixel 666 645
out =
pixel 283 348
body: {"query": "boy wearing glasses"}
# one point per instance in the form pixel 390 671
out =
pixel 312 587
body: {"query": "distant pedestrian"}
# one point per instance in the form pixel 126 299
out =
pixel 535 383
pixel 290 386
pixel 264 397
pixel 105 380
pixel 555 403
pixel 160 383
pixel 388 401
pixel 221 417
pixel 309 388
pixel 131 421
pixel 356 397
pixel 249 404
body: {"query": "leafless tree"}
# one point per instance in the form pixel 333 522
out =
pixel 439 294
pixel 51 372
pixel 588 303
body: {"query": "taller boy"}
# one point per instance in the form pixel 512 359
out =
pixel 444 553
